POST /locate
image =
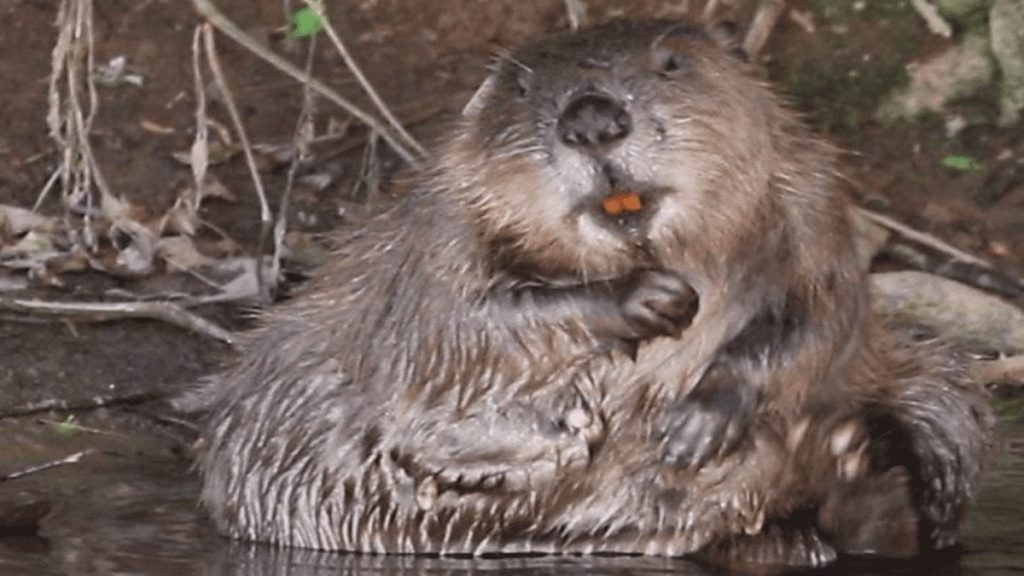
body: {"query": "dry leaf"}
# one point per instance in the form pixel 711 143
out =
pixel 210 155
pixel 74 261
pixel 274 155
pixel 303 249
pixel 242 284
pixel 155 127
pixel 214 188
pixel 33 248
pixel 180 253
pixel 15 221
pixel 180 218
pixel 11 283
pixel 319 181
pixel 219 248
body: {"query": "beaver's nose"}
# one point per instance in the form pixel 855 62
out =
pixel 592 120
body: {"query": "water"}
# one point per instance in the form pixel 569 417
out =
pixel 132 511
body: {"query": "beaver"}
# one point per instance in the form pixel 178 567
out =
pixel 620 310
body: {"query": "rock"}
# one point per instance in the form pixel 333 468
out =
pixel 959 71
pixel 1006 21
pixel 959 10
pixel 960 313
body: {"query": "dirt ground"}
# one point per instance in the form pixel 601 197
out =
pixel 425 60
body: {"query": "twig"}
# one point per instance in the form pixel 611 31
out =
pixel 70 128
pixel 930 14
pixel 106 311
pixel 353 66
pixel 715 9
pixel 369 171
pixel 229 28
pixel 51 404
pixel 72 459
pixel 359 141
pixel 576 10
pixel 767 16
pixel 922 238
pixel 304 134
pixel 960 266
pixel 266 218
pixel 199 155
pixel 50 182
pixel 71 424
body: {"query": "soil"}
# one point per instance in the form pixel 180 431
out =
pixel 425 58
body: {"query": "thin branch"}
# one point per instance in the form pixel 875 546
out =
pixel 919 250
pixel 353 66
pixel 72 459
pixel 300 151
pixel 767 16
pixel 930 14
pixel 231 30
pixel 106 311
pixel 266 218
pixel 91 403
pixel 50 182
pixel 576 10
pixel 199 155
pixel 922 238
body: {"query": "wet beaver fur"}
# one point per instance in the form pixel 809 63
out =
pixel 500 364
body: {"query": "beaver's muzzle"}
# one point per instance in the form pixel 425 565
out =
pixel 592 121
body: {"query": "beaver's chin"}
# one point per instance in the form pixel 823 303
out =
pixel 622 205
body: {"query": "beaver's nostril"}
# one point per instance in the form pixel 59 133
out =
pixel 593 120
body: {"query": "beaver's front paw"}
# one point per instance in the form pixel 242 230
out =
pixel 657 303
pixel 712 420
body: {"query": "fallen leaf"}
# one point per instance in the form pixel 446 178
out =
pixel 211 154
pixel 180 253
pixel 156 128
pixel 114 73
pixel 219 248
pixel 11 283
pixel 214 188
pixel 34 246
pixel 15 221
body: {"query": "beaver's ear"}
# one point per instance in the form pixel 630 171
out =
pixel 486 89
pixel 728 36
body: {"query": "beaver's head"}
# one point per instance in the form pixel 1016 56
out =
pixel 595 152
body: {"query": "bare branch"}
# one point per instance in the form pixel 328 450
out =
pixel 300 151
pixel 106 311
pixel 576 10
pixel 930 14
pixel 353 66
pixel 231 30
pixel 72 459
pixel 767 16
pixel 922 238
pixel 266 218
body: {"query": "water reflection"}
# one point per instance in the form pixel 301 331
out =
pixel 137 515
pixel 237 560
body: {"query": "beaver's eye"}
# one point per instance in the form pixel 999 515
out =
pixel 523 85
pixel 667 63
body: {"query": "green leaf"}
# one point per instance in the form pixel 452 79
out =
pixel 69 427
pixel 305 23
pixel 962 163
